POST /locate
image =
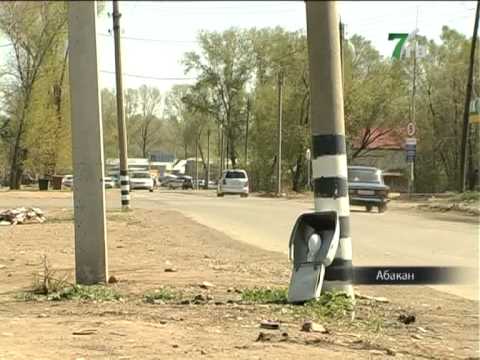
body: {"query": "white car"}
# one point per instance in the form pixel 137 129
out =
pixel 141 180
pixel 233 181
pixel 67 181
pixel 109 183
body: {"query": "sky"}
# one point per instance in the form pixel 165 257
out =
pixel 157 34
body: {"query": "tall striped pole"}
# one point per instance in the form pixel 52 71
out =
pixel 122 132
pixel 329 162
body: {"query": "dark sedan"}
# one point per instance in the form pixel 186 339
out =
pixel 181 182
pixel 366 188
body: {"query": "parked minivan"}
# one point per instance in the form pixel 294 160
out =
pixel 233 181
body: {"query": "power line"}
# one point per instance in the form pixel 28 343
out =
pixel 149 39
pixel 404 14
pixel 150 77
pixel 261 13
pixel 409 21
pixel 179 11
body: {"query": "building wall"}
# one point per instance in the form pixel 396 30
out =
pixel 384 159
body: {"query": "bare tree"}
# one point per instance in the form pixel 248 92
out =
pixel 148 126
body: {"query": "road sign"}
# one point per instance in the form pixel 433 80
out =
pixel 411 129
pixel 411 148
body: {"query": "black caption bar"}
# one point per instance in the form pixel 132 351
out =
pixel 407 275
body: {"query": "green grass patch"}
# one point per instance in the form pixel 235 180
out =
pixel 329 305
pixel 82 292
pixel 265 295
pixel 162 294
pixel 76 292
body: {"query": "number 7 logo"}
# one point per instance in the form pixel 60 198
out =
pixel 402 37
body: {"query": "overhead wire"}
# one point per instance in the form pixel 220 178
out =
pixel 150 77
pixel 409 21
pixel 149 39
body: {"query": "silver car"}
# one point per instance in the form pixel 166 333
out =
pixel 233 181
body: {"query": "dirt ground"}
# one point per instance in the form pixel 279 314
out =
pixel 142 244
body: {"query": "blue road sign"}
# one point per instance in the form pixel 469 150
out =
pixel 411 149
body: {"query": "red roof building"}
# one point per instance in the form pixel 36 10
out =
pixel 377 138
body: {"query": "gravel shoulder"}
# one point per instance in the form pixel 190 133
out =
pixel 218 325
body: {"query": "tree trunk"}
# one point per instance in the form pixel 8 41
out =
pixel 298 172
pixel 231 148
pixel 16 167
pixel 58 110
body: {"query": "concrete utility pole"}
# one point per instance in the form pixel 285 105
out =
pixel 308 156
pixel 463 154
pixel 87 145
pixel 246 131
pixel 342 50
pixel 329 161
pixel 222 163
pixel 196 162
pixel 279 135
pixel 227 152
pixel 411 187
pixel 207 180
pixel 122 132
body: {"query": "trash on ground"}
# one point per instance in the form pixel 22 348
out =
pixel 21 216
pixel 269 324
pixel 310 326
pixel 406 318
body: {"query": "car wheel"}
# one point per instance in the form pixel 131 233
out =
pixel 219 194
pixel 382 208
pixel 151 190
pixel 369 208
pixel 243 195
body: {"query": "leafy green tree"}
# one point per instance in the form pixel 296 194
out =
pixel 223 68
pixel 279 51
pixel 34 29
pixel 375 94
pixel 441 97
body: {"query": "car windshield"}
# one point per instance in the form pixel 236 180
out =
pixel 141 176
pixel 235 175
pixel 365 176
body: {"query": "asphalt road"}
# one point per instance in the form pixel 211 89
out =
pixel 398 237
